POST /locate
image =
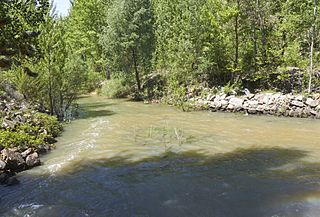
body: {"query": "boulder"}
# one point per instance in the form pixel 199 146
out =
pixel 33 160
pixel 231 107
pixel 4 177
pixel 253 104
pixel 236 102
pixel 224 103
pixel 2 165
pixel 297 103
pixel 222 96
pixel 250 96
pixel 313 112
pixel 299 98
pixel 7 124
pixel 217 104
pixel 261 108
pixel 211 97
pixel 252 111
pixel 266 99
pixel 12 181
pixel 14 161
pixel 312 103
pixel 26 152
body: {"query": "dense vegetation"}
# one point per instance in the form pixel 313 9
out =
pixel 150 49
pixel 259 44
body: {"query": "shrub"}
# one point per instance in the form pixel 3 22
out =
pixel 38 129
pixel 116 87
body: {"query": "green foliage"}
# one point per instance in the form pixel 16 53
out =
pixel 20 24
pixel 48 123
pixel 10 139
pixel 38 129
pixel 208 43
pixel 127 38
pixel 116 87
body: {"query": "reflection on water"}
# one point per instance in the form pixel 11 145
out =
pixel 128 159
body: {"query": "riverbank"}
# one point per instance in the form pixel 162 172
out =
pixel 25 133
pixel 277 104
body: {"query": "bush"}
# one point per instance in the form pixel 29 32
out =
pixel 36 130
pixel 21 140
pixel 49 123
pixel 116 87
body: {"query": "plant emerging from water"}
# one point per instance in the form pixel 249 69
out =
pixel 169 137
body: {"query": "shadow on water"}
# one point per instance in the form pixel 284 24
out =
pixel 94 110
pixel 250 182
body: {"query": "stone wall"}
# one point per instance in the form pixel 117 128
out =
pixel 264 103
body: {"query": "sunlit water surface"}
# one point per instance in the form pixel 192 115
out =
pixel 122 158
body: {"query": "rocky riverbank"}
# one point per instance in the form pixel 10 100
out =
pixel 25 133
pixel 278 104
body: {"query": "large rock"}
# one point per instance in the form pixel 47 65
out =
pixel 2 165
pixel 236 102
pixel 252 111
pixel 250 96
pixel 7 124
pixel 211 97
pixel 224 103
pixel 230 107
pixel 33 160
pixel 26 152
pixel 4 177
pixel 253 104
pixel 12 181
pixel 14 161
pixel 299 98
pixel 312 103
pixel 297 103
pixel 261 108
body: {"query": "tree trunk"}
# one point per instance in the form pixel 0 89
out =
pixel 50 84
pixel 236 30
pixel 312 45
pixel 255 37
pixel 262 28
pixel 136 69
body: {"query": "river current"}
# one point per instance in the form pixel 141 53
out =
pixel 122 158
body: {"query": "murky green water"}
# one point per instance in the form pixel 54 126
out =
pixel 129 159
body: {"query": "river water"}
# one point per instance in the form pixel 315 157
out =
pixel 123 158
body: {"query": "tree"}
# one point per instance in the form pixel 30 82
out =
pixel 62 72
pixel 313 29
pixel 19 24
pixel 127 38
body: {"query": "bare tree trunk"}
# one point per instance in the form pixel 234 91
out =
pixel 136 69
pixel 312 45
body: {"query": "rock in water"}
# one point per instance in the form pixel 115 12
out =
pixel 3 177
pixel 2 165
pixel 33 160
pixel 12 181
pixel 7 178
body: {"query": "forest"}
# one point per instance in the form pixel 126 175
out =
pixel 152 49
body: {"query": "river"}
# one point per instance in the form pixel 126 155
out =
pixel 123 158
